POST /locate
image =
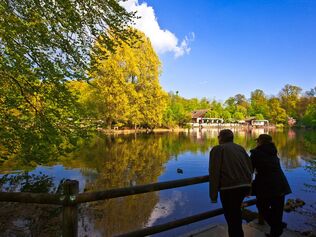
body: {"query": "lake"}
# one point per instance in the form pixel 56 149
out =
pixel 126 160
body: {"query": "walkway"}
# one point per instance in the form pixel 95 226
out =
pixel 251 230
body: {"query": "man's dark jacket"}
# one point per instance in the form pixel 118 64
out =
pixel 229 168
pixel 270 180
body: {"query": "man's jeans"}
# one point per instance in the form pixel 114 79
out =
pixel 231 201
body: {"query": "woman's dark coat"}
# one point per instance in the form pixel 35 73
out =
pixel 270 180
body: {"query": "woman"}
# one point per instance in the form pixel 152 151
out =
pixel 270 184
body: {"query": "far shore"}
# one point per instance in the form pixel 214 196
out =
pixel 179 129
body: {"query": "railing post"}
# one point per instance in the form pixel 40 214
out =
pixel 70 211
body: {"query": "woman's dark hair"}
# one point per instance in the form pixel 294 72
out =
pixel 264 139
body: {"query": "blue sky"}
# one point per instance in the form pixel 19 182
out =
pixel 219 48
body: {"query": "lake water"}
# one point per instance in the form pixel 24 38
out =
pixel 127 160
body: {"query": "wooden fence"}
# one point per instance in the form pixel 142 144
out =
pixel 72 198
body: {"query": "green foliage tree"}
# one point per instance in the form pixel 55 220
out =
pixel 241 100
pixel 309 118
pixel 308 98
pixel 179 109
pixel 230 105
pixel 212 114
pixel 259 116
pixel 44 45
pixel 259 103
pixel 238 116
pixel 238 103
pixel 216 107
pixel 289 96
pixel 226 115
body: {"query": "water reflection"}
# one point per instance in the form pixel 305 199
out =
pixel 108 162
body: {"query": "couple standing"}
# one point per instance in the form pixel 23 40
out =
pixel 231 172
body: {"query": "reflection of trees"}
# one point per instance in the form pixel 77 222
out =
pixel 309 141
pixel 291 144
pixel 26 182
pixel 177 143
pixel 122 161
pixel 118 215
pixel 291 147
pixel 29 219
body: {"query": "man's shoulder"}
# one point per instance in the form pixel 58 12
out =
pixel 233 147
pixel 231 144
pixel 216 148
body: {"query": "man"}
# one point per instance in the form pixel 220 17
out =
pixel 230 172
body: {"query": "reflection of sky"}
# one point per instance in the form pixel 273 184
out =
pixel 302 218
pixel 189 200
pixel 194 199
pixel 166 207
pixel 59 172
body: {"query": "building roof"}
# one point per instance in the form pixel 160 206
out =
pixel 199 113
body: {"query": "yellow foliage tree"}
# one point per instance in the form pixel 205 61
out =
pixel 127 83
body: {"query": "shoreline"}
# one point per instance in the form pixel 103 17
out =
pixel 178 129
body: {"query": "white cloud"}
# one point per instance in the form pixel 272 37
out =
pixel 162 39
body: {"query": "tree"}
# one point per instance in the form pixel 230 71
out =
pixel 241 100
pixel 289 96
pixel 276 113
pixel 311 92
pixel 259 103
pixel 212 114
pixel 226 115
pixel 259 117
pixel 44 45
pixel 238 103
pixel 230 105
pixel 309 118
pixel 127 82
pixel 217 107
pixel 309 97
pixel 238 116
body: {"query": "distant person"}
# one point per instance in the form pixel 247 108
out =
pixel 270 184
pixel 230 174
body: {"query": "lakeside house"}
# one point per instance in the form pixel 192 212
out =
pixel 252 121
pixel 199 119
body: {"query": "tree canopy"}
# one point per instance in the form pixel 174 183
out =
pixel 125 87
pixel 43 46
pixel 277 109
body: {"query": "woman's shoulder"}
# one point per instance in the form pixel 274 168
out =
pixel 254 151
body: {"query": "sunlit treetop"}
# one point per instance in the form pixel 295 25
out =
pixel 53 38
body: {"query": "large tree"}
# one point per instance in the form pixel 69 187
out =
pixel 127 82
pixel 43 45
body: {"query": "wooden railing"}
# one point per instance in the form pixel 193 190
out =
pixel 72 198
